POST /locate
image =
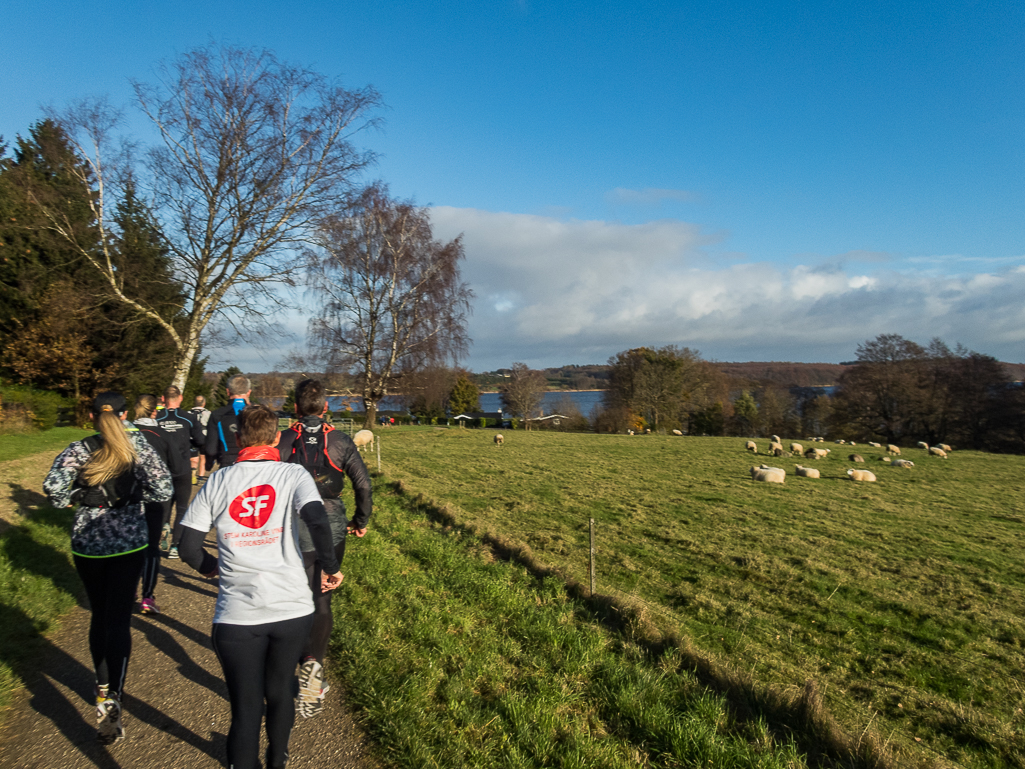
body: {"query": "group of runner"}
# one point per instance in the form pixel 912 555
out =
pixel 281 530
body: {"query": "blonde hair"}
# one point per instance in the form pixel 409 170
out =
pixel 145 405
pixel 117 453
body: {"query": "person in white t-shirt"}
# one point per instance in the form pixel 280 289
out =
pixel 264 608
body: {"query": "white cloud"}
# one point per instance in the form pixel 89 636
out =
pixel 551 292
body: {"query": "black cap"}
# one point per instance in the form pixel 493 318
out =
pixel 110 401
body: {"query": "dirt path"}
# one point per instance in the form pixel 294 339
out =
pixel 176 707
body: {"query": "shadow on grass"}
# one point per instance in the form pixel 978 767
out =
pixel 802 717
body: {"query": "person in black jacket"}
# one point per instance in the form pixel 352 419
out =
pixel 182 431
pixel 158 514
pixel 329 456
pixel 223 424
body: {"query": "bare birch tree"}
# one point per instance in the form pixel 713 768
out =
pixel 254 154
pixel 390 297
pixel 524 392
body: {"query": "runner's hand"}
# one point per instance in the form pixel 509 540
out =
pixel 358 532
pixel 329 582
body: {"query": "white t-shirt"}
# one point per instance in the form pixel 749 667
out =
pixel 253 506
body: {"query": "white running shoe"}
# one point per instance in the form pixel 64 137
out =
pixel 108 718
pixel 311 688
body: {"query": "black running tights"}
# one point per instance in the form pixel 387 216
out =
pixel 182 496
pixel 323 619
pixel 110 585
pixel 157 514
pixel 259 666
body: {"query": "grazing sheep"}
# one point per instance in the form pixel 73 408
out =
pixel 895 450
pixel 499 439
pixel 775 439
pixel 775 445
pixel 839 442
pixel 816 453
pixel 820 439
pixel 936 451
pixel 677 432
pixel 886 459
pixel 781 453
pixel 856 458
pixel 751 446
pixel 875 445
pixel 629 432
pixel 364 438
pixel 864 476
pixel 922 445
pixel 764 466
pixel 905 463
pixel 797 448
pixel 769 474
pixel 806 472
pixel 944 446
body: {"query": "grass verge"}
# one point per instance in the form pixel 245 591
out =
pixel 462 660
pixel 902 600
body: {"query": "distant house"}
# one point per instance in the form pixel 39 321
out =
pixel 495 418
pixel 549 419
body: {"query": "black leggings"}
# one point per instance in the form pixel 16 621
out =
pixel 157 514
pixel 182 496
pixel 323 619
pixel 259 666
pixel 110 584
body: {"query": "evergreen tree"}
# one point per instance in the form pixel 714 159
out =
pixel 465 397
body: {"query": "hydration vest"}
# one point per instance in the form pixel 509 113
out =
pixel 120 491
pixel 309 449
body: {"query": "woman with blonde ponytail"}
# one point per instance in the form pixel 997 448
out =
pixel 109 477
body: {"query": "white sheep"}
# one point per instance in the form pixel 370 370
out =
pixel 875 445
pixel 775 439
pixel 806 472
pixel 922 445
pixel 816 453
pixel 944 446
pixel 768 475
pixel 863 476
pixel 839 442
pixel 677 432
pixel 895 450
pixel 936 451
pixel 764 466
pixel 364 438
pixel 796 448
pixel 856 458
pixel 905 463
pixel 499 439
pixel 775 445
pixel 751 446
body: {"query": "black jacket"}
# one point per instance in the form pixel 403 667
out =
pixel 220 436
pixel 156 438
pixel 344 456
pixel 182 431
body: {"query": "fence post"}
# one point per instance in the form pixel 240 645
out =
pixel 592 557
pixel 378 442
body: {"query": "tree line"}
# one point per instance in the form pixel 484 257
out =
pixel 895 392
pixel 116 265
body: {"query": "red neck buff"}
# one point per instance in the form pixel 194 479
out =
pixel 250 453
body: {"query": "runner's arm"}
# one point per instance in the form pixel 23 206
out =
pixel 191 550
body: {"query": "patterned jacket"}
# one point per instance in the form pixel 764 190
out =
pixel 102 532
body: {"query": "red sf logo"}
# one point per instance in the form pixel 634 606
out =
pixel 253 506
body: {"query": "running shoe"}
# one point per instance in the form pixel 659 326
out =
pixel 173 553
pixel 311 688
pixel 108 717
pixel 149 606
pixel 165 538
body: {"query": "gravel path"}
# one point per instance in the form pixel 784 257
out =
pixel 176 706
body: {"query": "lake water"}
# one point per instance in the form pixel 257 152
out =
pixel 585 400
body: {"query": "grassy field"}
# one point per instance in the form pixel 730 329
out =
pixel 902 600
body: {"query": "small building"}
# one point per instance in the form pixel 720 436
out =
pixel 494 418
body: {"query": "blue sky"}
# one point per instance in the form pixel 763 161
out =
pixel 756 180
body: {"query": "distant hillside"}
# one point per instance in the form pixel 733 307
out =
pixel 784 374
